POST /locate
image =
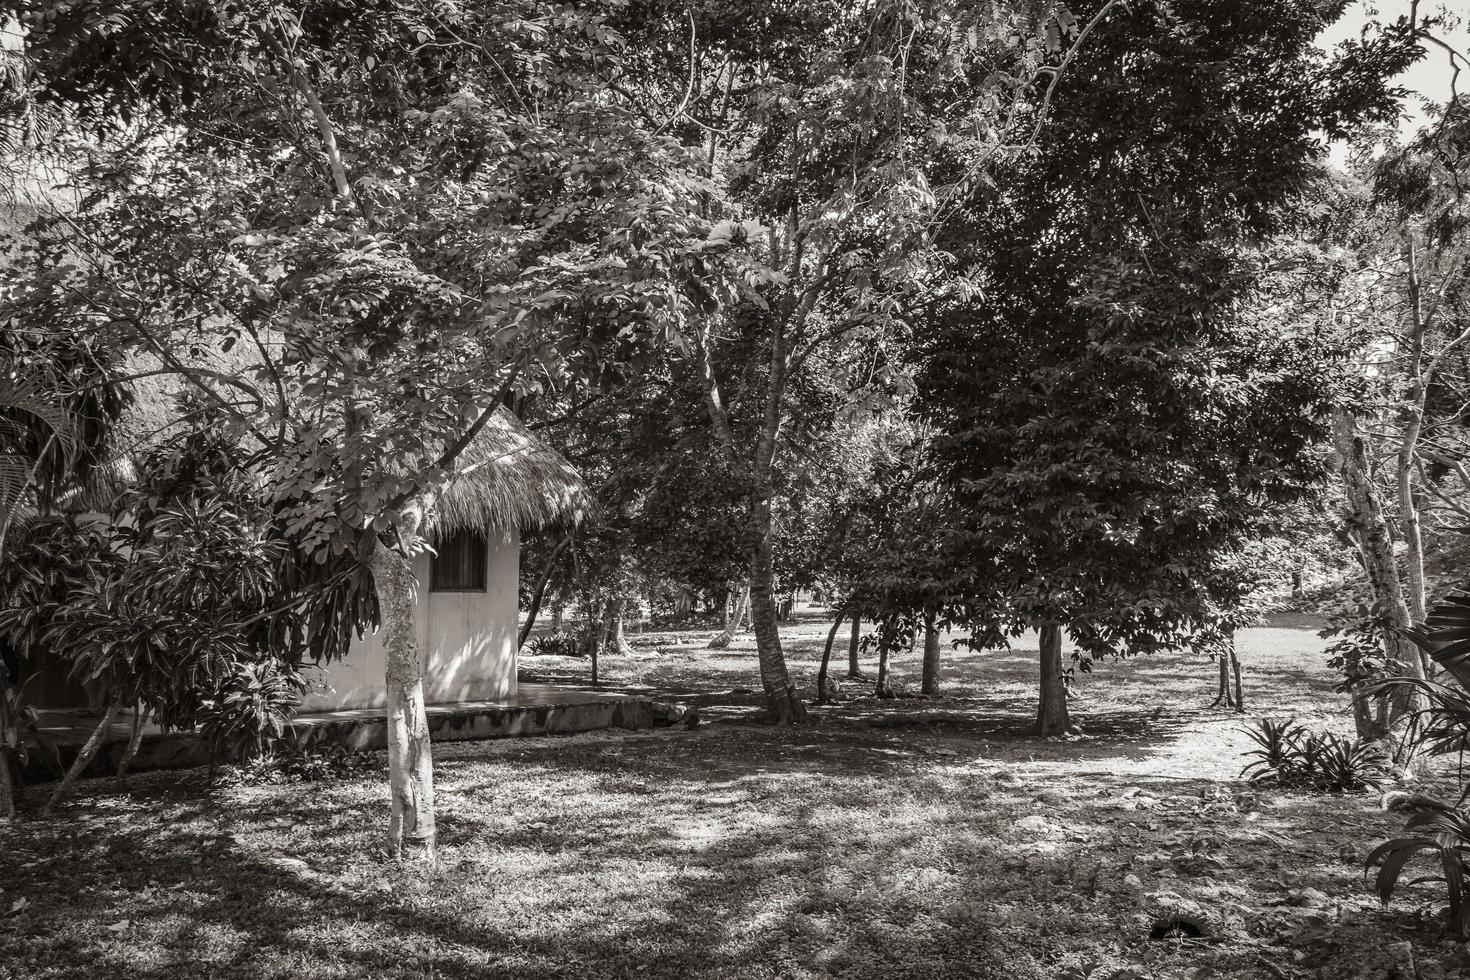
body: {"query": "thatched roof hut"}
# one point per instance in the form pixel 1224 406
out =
pixel 507 477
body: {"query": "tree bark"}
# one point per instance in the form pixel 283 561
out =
pixel 597 626
pixel 1222 693
pixel 883 688
pixel 84 757
pixel 135 739
pixel 1411 418
pixel 410 757
pixel 785 706
pixel 1365 520
pixel 931 658
pixel 1235 666
pixel 824 692
pixel 617 639
pixel 595 658
pixel 540 591
pixel 726 636
pixel 853 670
pixel 1052 718
pixel 7 787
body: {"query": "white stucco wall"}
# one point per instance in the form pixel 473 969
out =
pixel 467 639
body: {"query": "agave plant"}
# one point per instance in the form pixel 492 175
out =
pixel 1278 755
pixel 1442 834
pixel 1340 765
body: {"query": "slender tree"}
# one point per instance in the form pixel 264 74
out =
pixel 354 234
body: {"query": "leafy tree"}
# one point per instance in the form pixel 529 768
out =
pixel 1110 417
pixel 353 232
pixel 841 137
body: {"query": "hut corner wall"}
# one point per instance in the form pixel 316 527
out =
pixel 467 640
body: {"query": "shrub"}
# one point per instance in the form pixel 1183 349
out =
pixel 250 708
pixel 1289 755
pixel 1278 752
pixel 1340 765
pixel 288 762
pixel 193 601
pixel 1444 835
pixel 557 644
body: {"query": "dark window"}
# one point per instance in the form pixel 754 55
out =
pixel 460 564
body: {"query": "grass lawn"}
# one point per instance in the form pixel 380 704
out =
pixel 909 838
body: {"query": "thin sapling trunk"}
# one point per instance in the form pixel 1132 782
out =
pixel 84 757
pixel 1368 527
pixel 853 642
pixel 1235 666
pixel 824 690
pixel 726 636
pixel 883 689
pixel 540 592
pixel 135 739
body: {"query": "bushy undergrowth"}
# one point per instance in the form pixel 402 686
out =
pixel 556 644
pixel 291 763
pixel 1289 755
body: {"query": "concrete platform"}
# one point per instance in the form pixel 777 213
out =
pixel 535 709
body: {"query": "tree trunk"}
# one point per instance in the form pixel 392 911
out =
pixel 1222 693
pixel 883 689
pixel 1364 516
pixel 1052 718
pixel 135 739
pixel 1414 591
pixel 824 692
pixel 84 757
pixel 1235 666
pixel 726 636
pixel 595 631
pixel 558 611
pixel 785 706
pixel 595 658
pixel 7 787
pixel 540 591
pixel 410 759
pixel 616 638
pixel 931 659
pixel 852 647
pixel 1411 418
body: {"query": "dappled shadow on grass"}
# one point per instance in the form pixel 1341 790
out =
pixel 881 841
pixel 721 853
pixel 565 896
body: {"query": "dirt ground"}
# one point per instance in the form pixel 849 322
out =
pixel 907 838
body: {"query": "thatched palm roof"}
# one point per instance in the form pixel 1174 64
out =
pixel 510 478
pixel 507 477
